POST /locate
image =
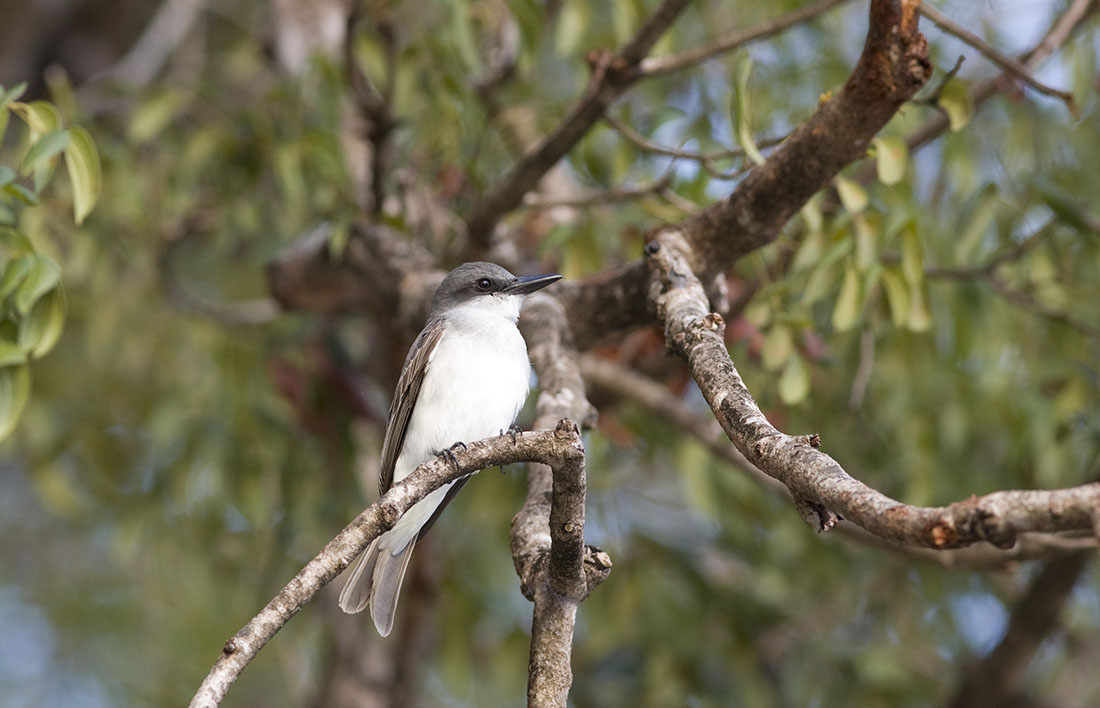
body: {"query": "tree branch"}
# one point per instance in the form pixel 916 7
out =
pixel 822 490
pixel 1008 64
pixel 559 448
pixel 556 569
pixel 612 74
pixel 893 66
pixel 980 92
pixel 656 66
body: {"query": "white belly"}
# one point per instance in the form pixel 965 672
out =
pixel 474 389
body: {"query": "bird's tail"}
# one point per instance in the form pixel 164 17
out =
pixel 376 580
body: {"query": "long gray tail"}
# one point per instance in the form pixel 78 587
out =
pixel 375 580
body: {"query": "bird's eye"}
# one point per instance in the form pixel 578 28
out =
pixel 484 285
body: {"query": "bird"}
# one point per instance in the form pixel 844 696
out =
pixel 465 378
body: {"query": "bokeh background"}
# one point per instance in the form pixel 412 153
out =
pixel 186 447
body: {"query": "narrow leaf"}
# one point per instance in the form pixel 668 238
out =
pixel 852 195
pixel 14 273
pixel 11 354
pixel 44 275
pixel 742 113
pixel 846 311
pixel 85 172
pixel 891 159
pixel 40 330
pixel 7 175
pixel 42 116
pixel 897 294
pixel 15 387
pixel 794 383
pixel 956 102
pixel 778 345
pixel 44 148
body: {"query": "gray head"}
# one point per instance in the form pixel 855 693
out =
pixel 489 284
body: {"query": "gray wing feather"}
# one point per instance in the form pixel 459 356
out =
pixel 376 577
pixel 404 399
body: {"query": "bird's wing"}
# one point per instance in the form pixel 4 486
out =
pixel 404 398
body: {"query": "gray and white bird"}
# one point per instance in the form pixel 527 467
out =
pixel 464 379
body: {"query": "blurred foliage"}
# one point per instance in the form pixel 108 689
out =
pixel 175 465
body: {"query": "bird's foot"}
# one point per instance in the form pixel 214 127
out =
pixel 514 431
pixel 449 453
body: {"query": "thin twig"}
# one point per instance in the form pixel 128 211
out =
pixel 612 74
pixel 1058 34
pixel 608 196
pixel 1008 64
pixel 656 66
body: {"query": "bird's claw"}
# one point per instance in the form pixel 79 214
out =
pixel 449 453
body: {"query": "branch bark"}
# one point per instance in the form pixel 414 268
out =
pixel 823 492
pixel 559 448
pixel 556 569
pixel 893 66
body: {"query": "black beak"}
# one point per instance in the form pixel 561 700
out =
pixel 527 284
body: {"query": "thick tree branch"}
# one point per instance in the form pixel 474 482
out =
pixel 556 570
pixel 822 490
pixel 893 66
pixel 612 74
pixel 556 448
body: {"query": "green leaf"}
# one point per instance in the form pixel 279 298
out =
pixel 11 94
pixel 897 294
pixel 154 115
pixel 912 255
pixel 85 173
pixel 42 116
pixel 15 241
pixel 866 238
pixel 847 309
pixel 45 148
pixel 794 382
pixel 891 159
pixel 14 273
pixel 811 214
pixel 920 315
pixel 44 275
pixel 778 345
pixel 40 330
pixel 7 175
pixel 742 113
pixel 572 20
pixel 22 193
pixel 15 387
pixel 956 102
pixel 978 213
pixel 852 195
pixel 11 354
pixel 1064 205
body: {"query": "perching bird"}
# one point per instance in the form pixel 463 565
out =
pixel 465 379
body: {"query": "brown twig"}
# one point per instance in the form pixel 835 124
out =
pixel 822 490
pixel 893 66
pixel 981 91
pixel 612 74
pixel 607 196
pixel 559 448
pixel 1008 64
pixel 655 66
